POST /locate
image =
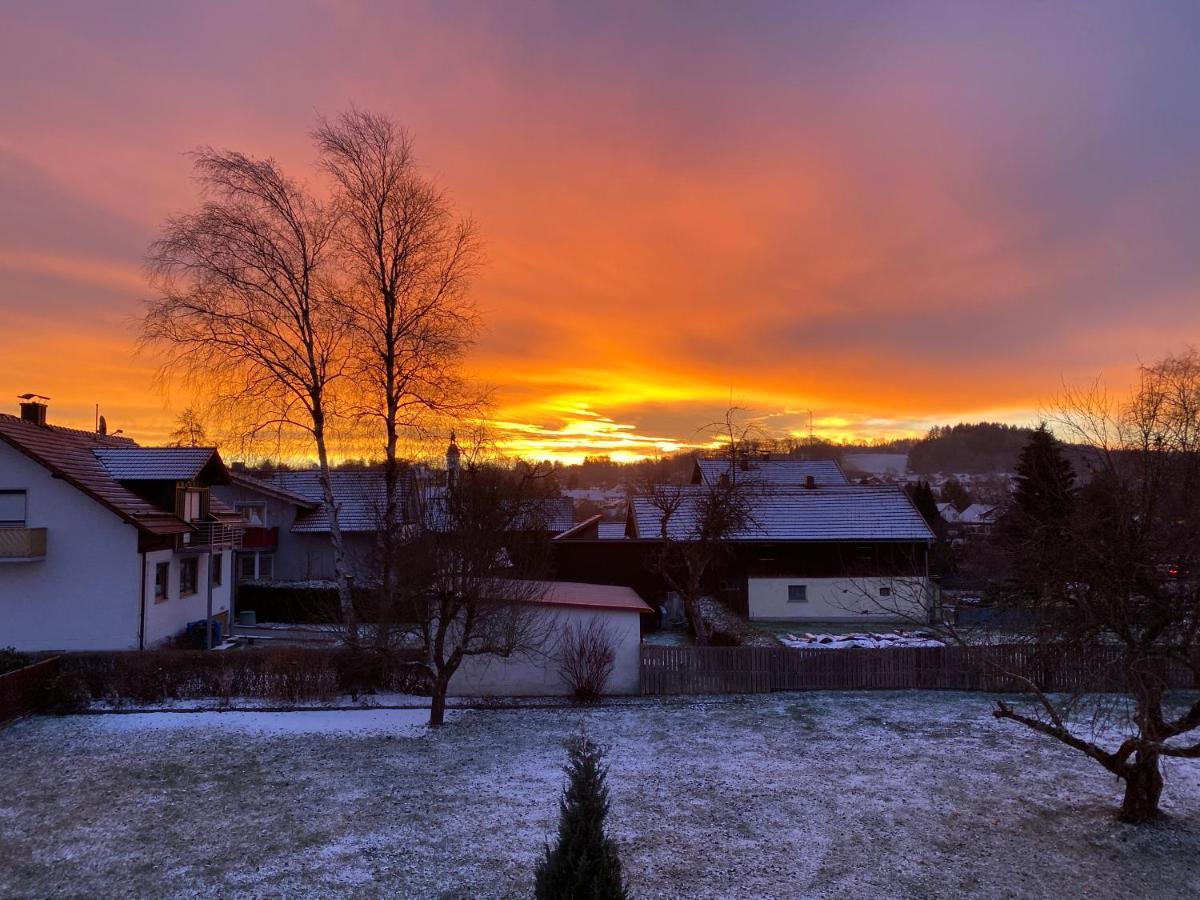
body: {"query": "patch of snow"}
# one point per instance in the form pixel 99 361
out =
pixel 868 640
pixel 392 722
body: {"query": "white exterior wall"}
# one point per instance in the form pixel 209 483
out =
pixel 538 677
pixel 84 595
pixel 840 599
pixel 167 618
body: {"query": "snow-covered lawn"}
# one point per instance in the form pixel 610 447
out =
pixel 785 795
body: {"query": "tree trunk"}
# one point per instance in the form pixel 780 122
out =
pixel 437 706
pixel 691 606
pixel 345 598
pixel 1143 787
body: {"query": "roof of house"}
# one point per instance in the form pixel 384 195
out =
pixel 772 472
pixel 72 456
pixel 610 531
pixel 836 513
pixel 978 514
pixel 593 528
pixel 262 486
pixel 154 463
pixel 361 496
pixel 592 596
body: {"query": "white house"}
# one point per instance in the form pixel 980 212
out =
pixel 105 545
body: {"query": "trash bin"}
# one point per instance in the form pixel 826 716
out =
pixel 247 617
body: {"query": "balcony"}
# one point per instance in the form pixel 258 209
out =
pixel 22 544
pixel 211 536
pixel 257 538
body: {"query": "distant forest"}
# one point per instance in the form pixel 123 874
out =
pixel 967 448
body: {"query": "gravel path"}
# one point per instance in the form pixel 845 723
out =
pixel 904 794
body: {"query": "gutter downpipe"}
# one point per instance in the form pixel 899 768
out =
pixel 208 619
pixel 142 607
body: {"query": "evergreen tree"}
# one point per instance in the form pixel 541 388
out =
pixel 922 498
pixel 584 864
pixel 1045 482
pixel 1034 527
pixel 956 494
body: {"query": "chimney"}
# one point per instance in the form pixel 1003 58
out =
pixel 33 408
pixel 810 482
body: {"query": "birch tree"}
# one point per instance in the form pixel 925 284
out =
pixel 244 311
pixel 409 259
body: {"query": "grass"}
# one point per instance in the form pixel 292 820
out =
pixel 819 794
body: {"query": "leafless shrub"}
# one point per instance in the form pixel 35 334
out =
pixel 586 656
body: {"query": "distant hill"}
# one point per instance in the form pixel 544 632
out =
pixel 969 448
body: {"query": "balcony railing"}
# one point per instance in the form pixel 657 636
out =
pixel 22 544
pixel 211 536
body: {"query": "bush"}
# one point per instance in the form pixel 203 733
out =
pixel 586 656
pixel 65 694
pixel 12 659
pixel 584 863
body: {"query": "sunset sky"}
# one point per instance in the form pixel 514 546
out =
pixel 892 214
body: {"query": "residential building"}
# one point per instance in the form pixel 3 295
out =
pixel 816 548
pixel 106 545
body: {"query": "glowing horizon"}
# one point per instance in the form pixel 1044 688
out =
pixel 885 220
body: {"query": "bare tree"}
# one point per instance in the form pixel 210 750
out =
pixel 244 310
pixel 473 574
pixel 409 261
pixel 189 430
pixel 696 522
pixel 1119 582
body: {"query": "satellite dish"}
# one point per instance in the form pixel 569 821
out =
pixel 103 428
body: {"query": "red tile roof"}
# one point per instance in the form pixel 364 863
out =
pixel 69 454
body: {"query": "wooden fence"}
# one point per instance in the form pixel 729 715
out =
pixel 748 670
pixel 21 690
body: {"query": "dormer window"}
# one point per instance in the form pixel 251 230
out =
pixel 192 505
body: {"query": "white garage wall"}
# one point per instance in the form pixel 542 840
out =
pixel 538 676
pixel 840 599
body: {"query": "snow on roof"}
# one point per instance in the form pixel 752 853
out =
pixel 361 498
pixel 154 463
pixel 592 596
pixel 977 514
pixel 774 472
pixel 837 513
pixel 611 531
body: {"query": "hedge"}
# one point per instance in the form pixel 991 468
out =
pixel 301 602
pixel 285 674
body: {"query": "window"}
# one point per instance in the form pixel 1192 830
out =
pixel 255 566
pixel 191 506
pixel 189 568
pixel 162 578
pixel 797 593
pixel 885 592
pixel 252 513
pixel 12 509
pixel 218 566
